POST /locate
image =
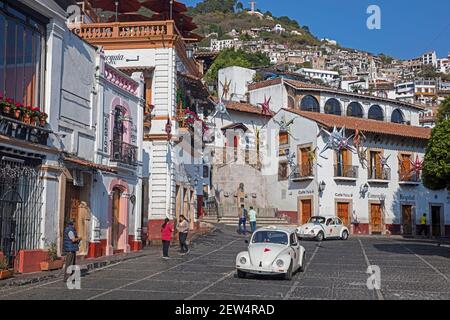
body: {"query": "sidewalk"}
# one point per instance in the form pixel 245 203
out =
pixel 443 242
pixel 88 265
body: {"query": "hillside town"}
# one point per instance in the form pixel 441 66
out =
pixel 112 129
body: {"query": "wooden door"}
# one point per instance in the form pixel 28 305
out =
pixel 343 212
pixel 306 208
pixel 407 219
pixel 115 226
pixel 305 166
pixel 436 221
pixel 375 218
pixel 405 167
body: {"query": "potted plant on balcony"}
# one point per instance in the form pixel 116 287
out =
pixel 5 105
pixel 27 114
pixel 5 273
pixel 16 110
pixel 43 119
pixel 53 261
pixel 35 113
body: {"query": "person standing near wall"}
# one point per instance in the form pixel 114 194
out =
pixel 71 246
pixel 252 218
pixel 166 237
pixel 183 229
pixel 242 220
pixel 423 225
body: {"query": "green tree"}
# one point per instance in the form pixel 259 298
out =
pixel 436 170
pixel 231 57
pixel 208 6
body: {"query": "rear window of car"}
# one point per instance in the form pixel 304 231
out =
pixel 270 237
pixel 317 220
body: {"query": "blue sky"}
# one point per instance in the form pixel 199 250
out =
pixel 408 27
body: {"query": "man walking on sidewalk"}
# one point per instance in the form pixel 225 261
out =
pixel 183 229
pixel 71 246
pixel 423 225
pixel 242 220
pixel 252 218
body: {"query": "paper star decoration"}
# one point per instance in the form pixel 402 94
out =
pixel 292 163
pixel 359 136
pixel 220 109
pixel 225 88
pixel 265 106
pixel 336 141
pixel 362 155
pixel 285 125
pixel 384 161
pixel 417 166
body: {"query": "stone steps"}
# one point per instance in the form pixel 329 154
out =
pixel 233 221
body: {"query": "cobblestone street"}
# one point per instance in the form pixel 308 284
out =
pixel 410 269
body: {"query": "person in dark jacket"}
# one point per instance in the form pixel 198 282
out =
pixel 71 246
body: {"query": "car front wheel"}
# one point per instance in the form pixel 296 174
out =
pixel 288 274
pixel 241 274
pixel 344 235
pixel 319 236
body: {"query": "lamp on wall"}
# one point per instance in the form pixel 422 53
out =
pixel 322 186
pixel 364 189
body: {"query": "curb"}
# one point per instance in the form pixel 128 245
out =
pixel 86 267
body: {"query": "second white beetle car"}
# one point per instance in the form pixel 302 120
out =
pixel 323 227
pixel 272 251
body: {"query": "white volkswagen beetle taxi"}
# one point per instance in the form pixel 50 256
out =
pixel 272 251
pixel 323 227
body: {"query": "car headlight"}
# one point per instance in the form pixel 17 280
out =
pixel 242 260
pixel 280 263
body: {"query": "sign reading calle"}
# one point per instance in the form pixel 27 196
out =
pixel 306 192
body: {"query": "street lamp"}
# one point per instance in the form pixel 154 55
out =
pixel 364 189
pixel 117 10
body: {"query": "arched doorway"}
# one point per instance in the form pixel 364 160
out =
pixel 118 217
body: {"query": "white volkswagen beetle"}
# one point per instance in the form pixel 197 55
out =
pixel 272 251
pixel 323 227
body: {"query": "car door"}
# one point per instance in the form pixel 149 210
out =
pixel 329 227
pixel 295 246
pixel 339 225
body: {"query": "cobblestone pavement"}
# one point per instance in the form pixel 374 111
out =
pixel 410 269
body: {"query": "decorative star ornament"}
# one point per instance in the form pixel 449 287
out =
pixel 220 109
pixel 336 140
pixel 265 106
pixel 225 88
pixel 358 138
pixel 417 166
pixel 384 161
pixel 292 163
pixel 362 155
pixel 285 125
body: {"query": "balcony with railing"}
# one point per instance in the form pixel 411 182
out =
pixel 381 175
pixel 345 172
pixel 409 177
pixel 23 131
pixel 124 153
pixel 303 172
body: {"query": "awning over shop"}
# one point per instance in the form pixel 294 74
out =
pixel 87 164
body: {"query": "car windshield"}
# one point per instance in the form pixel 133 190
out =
pixel 270 237
pixel 317 220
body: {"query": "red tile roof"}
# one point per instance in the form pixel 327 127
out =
pixel 365 125
pixel 245 107
pixel 88 164
pixel 263 84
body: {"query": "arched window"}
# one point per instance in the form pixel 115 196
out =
pixel 119 128
pixel 309 103
pixel 355 109
pixel 397 116
pixel 376 113
pixel 332 106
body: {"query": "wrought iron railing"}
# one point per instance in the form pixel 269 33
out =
pixel 20 130
pixel 379 174
pixel 345 171
pixel 303 171
pixel 124 153
pixel 408 176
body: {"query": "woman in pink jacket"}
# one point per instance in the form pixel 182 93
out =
pixel 166 236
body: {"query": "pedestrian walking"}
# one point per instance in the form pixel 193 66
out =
pixel 71 243
pixel 242 229
pixel 183 229
pixel 252 219
pixel 166 236
pixel 423 225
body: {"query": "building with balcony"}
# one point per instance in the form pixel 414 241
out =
pixel 157 48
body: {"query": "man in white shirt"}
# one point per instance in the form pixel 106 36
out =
pixel 252 218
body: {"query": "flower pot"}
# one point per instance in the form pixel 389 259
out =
pixel 52 265
pixel 5 274
pixel 6 110
pixel 17 114
pixel 26 119
pixel 42 123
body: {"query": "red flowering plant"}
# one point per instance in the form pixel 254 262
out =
pixel 43 116
pixel 25 110
pixel 192 117
pixel 35 112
